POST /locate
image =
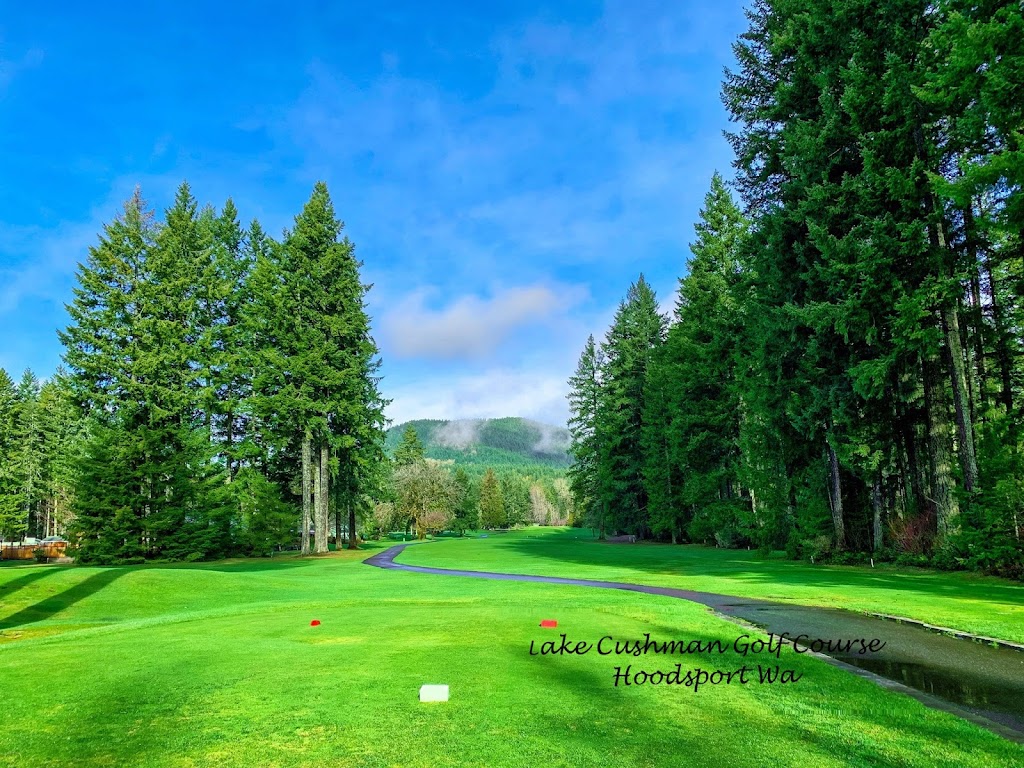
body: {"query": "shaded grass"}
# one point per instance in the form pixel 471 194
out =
pixel 968 602
pixel 216 664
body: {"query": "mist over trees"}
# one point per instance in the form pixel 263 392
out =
pixel 842 374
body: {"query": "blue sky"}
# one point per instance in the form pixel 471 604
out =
pixel 504 169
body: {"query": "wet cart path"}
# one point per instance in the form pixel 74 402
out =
pixel 979 682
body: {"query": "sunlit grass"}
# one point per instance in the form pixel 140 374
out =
pixel 216 664
pixel 981 605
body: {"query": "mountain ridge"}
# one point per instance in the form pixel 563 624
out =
pixel 509 440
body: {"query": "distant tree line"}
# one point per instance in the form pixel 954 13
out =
pixel 843 372
pixel 218 397
pixel 429 495
pixel 39 430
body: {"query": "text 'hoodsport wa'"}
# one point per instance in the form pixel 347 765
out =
pixel 744 646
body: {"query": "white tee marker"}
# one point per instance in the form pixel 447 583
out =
pixel 433 693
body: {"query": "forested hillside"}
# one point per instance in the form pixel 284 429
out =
pixel 506 472
pixel 508 442
pixel 458 488
pixel 843 372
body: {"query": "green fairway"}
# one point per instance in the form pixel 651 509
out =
pixel 965 601
pixel 216 664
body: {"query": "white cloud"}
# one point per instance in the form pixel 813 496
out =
pixel 10 68
pixel 490 394
pixel 44 260
pixel 593 141
pixel 552 438
pixel 469 327
pixel 458 433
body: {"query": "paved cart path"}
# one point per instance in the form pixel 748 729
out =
pixel 973 680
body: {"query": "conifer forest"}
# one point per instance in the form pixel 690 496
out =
pixel 213 376
pixel 842 375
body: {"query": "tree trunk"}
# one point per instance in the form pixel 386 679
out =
pixel 946 507
pixel 1002 348
pixel 915 465
pixel 337 515
pixel 958 374
pixel 835 497
pixel 353 541
pixel 317 501
pixel 307 460
pixel 668 483
pixel 321 486
pixel 977 311
pixel 876 505
pixel 230 444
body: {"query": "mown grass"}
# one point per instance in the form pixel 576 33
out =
pixel 969 602
pixel 216 664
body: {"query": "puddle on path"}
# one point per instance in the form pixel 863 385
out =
pixel 985 680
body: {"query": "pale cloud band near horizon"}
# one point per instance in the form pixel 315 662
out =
pixel 470 327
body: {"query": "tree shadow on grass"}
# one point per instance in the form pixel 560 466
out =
pixel 282 561
pixel 748 568
pixel 53 605
pixel 12 586
pixel 252 565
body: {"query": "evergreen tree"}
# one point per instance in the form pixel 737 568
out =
pixel 468 503
pixel 317 386
pixel 265 520
pixel 691 418
pixel 636 332
pixel 103 345
pixel 187 514
pixel 427 493
pixel 515 493
pixel 29 451
pixel 62 431
pixel 225 345
pixel 12 520
pixel 584 396
pixel 492 505
pixel 844 374
pixel 131 350
pixel 410 450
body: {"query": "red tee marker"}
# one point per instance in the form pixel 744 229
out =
pixel 315 623
pixel 548 623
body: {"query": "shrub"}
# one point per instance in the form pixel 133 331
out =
pixel 911 535
pixel 817 548
pixel 847 557
pixel 916 560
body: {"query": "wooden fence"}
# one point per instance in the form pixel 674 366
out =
pixel 28 551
